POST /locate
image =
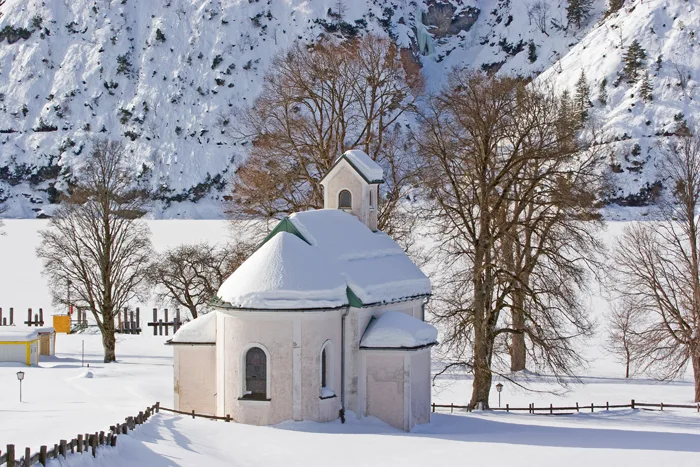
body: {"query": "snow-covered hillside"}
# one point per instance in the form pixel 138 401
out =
pixel 170 77
pixel 637 130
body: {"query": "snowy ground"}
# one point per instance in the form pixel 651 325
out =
pixel 61 400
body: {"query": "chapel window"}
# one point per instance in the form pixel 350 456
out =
pixel 255 374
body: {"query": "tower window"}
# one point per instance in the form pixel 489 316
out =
pixel 344 200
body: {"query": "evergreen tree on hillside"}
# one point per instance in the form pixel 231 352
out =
pixel 634 59
pixel 582 99
pixel 577 11
pixel 603 92
pixel 646 88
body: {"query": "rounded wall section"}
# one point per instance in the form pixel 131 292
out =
pixel 319 330
pixel 292 342
pixel 273 333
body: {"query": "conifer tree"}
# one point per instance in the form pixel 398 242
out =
pixel 603 92
pixel 583 97
pixel 646 88
pixel 634 59
pixel 577 11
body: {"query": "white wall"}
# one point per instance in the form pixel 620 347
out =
pixel 280 333
pixel 194 372
pixel 420 388
pixel 385 387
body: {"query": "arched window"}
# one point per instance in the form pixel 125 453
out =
pixel 255 374
pixel 344 200
pixel 371 197
pixel 327 375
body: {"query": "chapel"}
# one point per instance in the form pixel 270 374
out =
pixel 324 321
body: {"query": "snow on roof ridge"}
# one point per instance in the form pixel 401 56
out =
pixel 20 334
pixel 394 330
pixel 368 167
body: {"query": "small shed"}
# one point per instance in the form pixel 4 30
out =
pixel 47 341
pixel 19 345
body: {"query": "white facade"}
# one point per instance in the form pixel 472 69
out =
pixel 325 319
pixel 20 345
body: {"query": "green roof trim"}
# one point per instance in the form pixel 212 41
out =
pixel 285 225
pixel 353 299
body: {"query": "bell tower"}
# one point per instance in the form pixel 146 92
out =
pixel 352 185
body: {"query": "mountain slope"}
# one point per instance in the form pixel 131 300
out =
pixel 170 77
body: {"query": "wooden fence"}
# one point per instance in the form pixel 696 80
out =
pixel 227 418
pixel 81 444
pixel 531 408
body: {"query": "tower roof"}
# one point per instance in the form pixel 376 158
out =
pixel 367 168
pixel 285 273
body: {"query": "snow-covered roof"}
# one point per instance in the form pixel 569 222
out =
pixel 364 164
pixel 373 265
pixel 201 330
pixel 17 334
pixel 396 330
pixel 285 273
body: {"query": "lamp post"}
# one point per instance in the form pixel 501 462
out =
pixel 499 388
pixel 20 377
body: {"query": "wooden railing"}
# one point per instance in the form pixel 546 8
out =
pixel 81 444
pixel 531 408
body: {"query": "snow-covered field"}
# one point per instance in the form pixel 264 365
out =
pixel 62 399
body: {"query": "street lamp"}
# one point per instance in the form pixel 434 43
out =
pixel 499 388
pixel 20 377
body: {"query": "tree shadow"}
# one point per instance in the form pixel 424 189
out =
pixel 499 430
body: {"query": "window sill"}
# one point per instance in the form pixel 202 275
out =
pixel 249 401
pixel 331 396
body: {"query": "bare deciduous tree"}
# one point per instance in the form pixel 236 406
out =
pixel 658 267
pixel 512 206
pixel 538 13
pixel 621 334
pixel 315 104
pixel 190 275
pixel 96 241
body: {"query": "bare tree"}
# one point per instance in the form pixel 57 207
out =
pixel 658 267
pixel 621 334
pixel 315 104
pixel 190 275
pixel 538 13
pixel 96 241
pixel 512 204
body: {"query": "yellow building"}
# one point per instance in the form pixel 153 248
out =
pixel 19 345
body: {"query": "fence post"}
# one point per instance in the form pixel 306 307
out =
pixel 157 407
pixel 607 405
pixel 27 456
pixel 12 316
pixel 42 455
pixel 452 407
pixel 228 417
pixel 41 316
pixel 591 407
pixel 155 321
pixel 507 408
pixel 577 407
pixel 662 406
pixel 10 455
pixel 433 406
pixel 166 321
pixel 102 437
pixel 193 414
pixel 80 443
pixel 93 443
pixel 632 404
pixel 62 448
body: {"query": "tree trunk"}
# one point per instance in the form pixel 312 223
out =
pixel 518 353
pixel 482 372
pixel 695 358
pixel 193 311
pixel 109 341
